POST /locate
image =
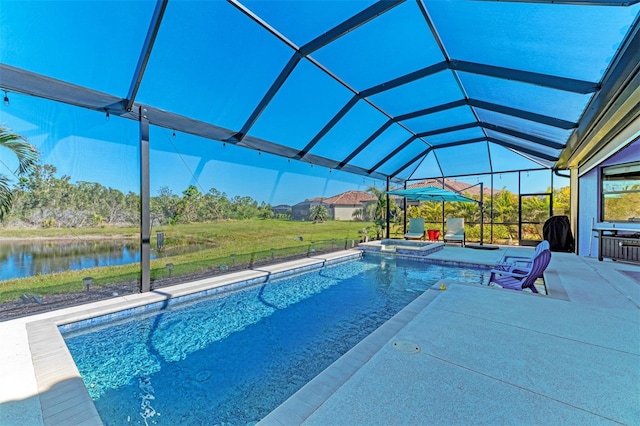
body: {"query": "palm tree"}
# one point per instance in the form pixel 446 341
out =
pixel 27 159
pixel 380 212
pixel 318 213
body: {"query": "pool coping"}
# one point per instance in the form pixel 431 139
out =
pixel 302 404
pixel 62 395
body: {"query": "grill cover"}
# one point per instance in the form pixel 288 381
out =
pixel 557 231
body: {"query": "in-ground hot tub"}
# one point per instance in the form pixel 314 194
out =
pixel 404 247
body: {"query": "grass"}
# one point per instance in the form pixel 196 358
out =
pixel 228 242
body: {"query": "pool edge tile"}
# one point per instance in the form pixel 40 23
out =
pixel 316 392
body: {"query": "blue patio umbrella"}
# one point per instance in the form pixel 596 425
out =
pixel 429 193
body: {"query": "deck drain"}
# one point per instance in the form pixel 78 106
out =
pixel 406 346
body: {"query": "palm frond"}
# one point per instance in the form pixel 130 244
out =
pixel 25 152
pixel 6 197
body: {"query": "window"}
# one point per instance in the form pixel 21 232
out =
pixel 621 193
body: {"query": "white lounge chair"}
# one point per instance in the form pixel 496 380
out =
pixel 454 231
pixel 416 229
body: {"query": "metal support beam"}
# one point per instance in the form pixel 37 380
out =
pixel 345 109
pixel 448 129
pixel 516 134
pixel 393 153
pixel 481 205
pixel 545 80
pixel 432 110
pixel 410 162
pixel 366 143
pixel 336 32
pixel 407 78
pixel 526 115
pixel 147 47
pixel 32 84
pixel 388 233
pixel 268 97
pixel 361 18
pixel 145 215
pixel 523 149
pixel 405 144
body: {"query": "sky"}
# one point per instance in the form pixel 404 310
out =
pixel 97 45
pixel 97 149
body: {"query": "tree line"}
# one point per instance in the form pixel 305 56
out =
pixel 42 199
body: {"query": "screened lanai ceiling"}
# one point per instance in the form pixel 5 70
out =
pixel 394 90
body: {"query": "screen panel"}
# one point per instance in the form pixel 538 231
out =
pixel 361 57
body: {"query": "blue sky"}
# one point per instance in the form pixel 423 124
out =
pixel 90 147
pixel 218 67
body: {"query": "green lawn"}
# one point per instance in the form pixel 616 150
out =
pixel 230 243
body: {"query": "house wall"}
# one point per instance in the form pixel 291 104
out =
pixel 343 212
pixel 589 200
pixel 302 210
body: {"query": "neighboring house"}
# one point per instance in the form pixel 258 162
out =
pixel 301 210
pixel 281 209
pixel 340 207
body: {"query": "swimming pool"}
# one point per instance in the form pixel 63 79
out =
pixel 232 358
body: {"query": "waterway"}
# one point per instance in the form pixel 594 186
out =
pixel 23 258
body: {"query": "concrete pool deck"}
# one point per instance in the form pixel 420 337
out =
pixel 468 354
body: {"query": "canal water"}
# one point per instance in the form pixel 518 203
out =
pixel 23 258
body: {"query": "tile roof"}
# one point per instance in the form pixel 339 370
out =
pixel 349 198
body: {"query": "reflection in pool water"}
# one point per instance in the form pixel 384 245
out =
pixel 231 358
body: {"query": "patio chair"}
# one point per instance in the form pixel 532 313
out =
pixel 416 229
pixel 455 231
pixel 521 264
pixel 519 280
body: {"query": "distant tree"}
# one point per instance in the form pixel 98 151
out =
pixel 43 197
pixel 505 207
pixel 189 206
pixel 469 211
pixel 27 158
pixel 265 211
pixel 217 204
pixel 243 208
pixel 163 206
pixel 431 211
pixel 561 200
pixel 318 213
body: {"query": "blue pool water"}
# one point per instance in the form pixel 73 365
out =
pixel 234 357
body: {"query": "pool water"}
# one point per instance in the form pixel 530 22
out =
pixel 232 358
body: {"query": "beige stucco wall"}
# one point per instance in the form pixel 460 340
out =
pixel 343 213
